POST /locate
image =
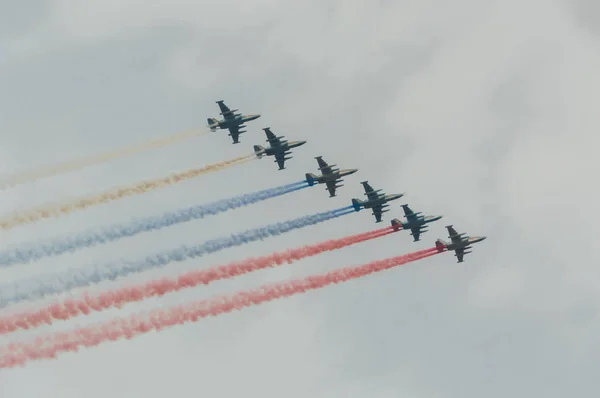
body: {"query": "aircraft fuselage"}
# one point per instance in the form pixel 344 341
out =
pixel 273 150
pixel 236 121
pixel 419 221
pixel 323 178
pixel 381 200
pixel 469 241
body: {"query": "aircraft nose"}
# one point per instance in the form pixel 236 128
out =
pixel 352 171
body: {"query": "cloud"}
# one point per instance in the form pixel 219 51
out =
pixel 21 17
pixel 484 113
pixel 587 13
pixel 102 20
pixel 226 364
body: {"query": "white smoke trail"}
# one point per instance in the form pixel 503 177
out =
pixel 29 176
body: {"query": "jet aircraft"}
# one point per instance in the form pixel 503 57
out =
pixel 278 148
pixel 458 242
pixel 375 200
pixel 414 221
pixel 330 176
pixel 232 121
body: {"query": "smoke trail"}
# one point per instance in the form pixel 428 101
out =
pixel 74 278
pixel 50 345
pixel 116 298
pixel 115 194
pixel 115 232
pixel 90 161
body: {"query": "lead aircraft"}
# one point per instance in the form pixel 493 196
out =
pixel 458 242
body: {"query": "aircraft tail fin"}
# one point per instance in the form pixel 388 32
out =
pixel 310 178
pixel 212 123
pixel 396 224
pixel 440 245
pixel 259 150
pixel 357 203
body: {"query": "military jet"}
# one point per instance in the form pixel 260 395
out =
pixel 458 242
pixel 375 200
pixel 232 121
pixel 414 221
pixel 278 148
pixel 329 176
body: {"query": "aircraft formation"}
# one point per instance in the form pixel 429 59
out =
pixel 377 200
pixel 38 289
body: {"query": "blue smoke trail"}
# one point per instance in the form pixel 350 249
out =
pixel 57 246
pixel 75 278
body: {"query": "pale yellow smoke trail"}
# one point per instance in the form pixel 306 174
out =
pixel 90 161
pixel 39 213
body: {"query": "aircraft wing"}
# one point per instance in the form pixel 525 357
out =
pixel 416 232
pixel 225 111
pixel 280 159
pixel 460 253
pixel 234 132
pixel 378 212
pixel 451 231
pixel 408 211
pixel 454 236
pixel 409 214
pixel 323 166
pixel 271 138
pixel 369 191
pixel 368 187
pixel 331 187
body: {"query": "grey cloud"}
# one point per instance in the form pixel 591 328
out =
pixel 17 18
pixel 587 13
pixel 355 80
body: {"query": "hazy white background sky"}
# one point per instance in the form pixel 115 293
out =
pixel 483 111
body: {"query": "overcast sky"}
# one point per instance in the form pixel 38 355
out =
pixel 483 111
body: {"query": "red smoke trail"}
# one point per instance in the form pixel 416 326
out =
pixel 85 304
pixel 49 346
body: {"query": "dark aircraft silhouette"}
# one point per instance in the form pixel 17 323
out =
pixel 458 242
pixel 375 200
pixel 234 122
pixel 330 176
pixel 278 148
pixel 414 221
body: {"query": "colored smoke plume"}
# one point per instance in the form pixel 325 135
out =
pixel 40 213
pixel 87 303
pixel 97 236
pixel 22 178
pixel 45 285
pixel 49 346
